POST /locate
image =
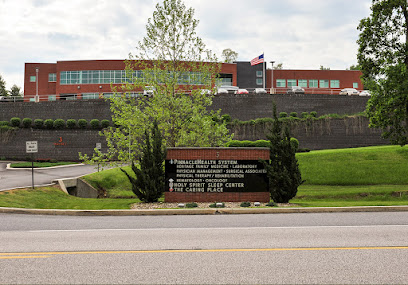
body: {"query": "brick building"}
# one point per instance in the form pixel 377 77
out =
pixel 91 79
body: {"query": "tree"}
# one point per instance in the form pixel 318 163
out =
pixel 324 68
pixel 148 181
pixel 3 91
pixel 282 168
pixel 229 55
pixel 354 67
pixel 383 59
pixel 172 60
pixel 278 66
pixel 15 91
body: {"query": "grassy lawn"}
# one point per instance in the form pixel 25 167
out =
pixel 370 176
pixel 39 164
pixel 54 198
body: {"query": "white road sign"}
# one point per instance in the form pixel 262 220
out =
pixel 31 146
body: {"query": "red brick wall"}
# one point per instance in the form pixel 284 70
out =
pixel 217 154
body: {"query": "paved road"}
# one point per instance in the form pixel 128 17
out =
pixel 16 178
pixel 336 248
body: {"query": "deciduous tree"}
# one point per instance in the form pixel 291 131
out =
pixel 3 91
pixel 383 59
pixel 229 55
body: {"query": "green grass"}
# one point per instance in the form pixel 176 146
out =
pixel 39 164
pixel 54 198
pixel 113 181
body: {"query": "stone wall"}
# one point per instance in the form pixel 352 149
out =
pixel 242 107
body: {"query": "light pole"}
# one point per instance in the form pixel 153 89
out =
pixel 272 89
pixel 37 99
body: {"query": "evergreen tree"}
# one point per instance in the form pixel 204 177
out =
pixel 282 168
pixel 3 91
pixel 148 185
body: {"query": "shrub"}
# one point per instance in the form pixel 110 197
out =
pixel 71 123
pixel 313 114
pixel 105 123
pixel 4 128
pixel 214 205
pixel 304 114
pixel 95 124
pixel 261 143
pixel 245 204
pixel 191 205
pixel 4 123
pixel 82 123
pixel 293 114
pixel 49 123
pixel 59 124
pixel 270 204
pixel 226 118
pixel 283 115
pixel 27 122
pixel 15 122
pixel 294 142
pixel 38 123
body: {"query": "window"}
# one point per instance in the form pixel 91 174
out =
pixel 87 96
pixel 355 85
pixel 259 81
pixel 280 83
pixel 52 77
pixel 324 83
pixel 313 83
pixel 334 84
pixel 291 82
pixel 52 98
pixel 302 83
pixel 259 73
pixel 33 78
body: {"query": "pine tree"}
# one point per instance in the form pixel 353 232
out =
pixel 148 183
pixel 282 168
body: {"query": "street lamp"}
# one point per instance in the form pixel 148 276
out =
pixel 272 89
pixel 37 99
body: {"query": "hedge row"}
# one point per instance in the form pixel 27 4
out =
pixel 55 124
pixel 258 143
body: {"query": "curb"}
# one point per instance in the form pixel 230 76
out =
pixel 225 211
pixel 8 167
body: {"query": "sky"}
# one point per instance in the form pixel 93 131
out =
pixel 300 34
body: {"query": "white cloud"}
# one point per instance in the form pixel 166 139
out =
pixel 302 34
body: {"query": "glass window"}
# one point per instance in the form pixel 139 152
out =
pixel 291 82
pixel 302 82
pixel 280 83
pixel 259 73
pixel 334 84
pixel 87 96
pixel 259 81
pixel 33 78
pixel 313 83
pixel 355 85
pixel 52 98
pixel 52 77
pixel 324 83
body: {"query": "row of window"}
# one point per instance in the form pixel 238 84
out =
pixel 313 83
pixel 87 96
pixel 119 77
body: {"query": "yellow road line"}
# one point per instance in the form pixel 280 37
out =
pixel 20 257
pixel 202 250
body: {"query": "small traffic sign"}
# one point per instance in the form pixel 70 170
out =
pixel 31 147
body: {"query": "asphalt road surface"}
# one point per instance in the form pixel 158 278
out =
pixel 324 248
pixel 17 178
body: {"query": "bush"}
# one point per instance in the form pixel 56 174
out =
pixel 38 123
pixel 71 123
pixel 105 123
pixel 304 114
pixel 82 123
pixel 261 143
pixel 270 204
pixel 4 128
pixel 313 114
pixel 283 115
pixel 294 143
pixel 59 124
pixel 226 118
pixel 214 205
pixel 4 123
pixel 27 122
pixel 191 205
pixel 293 114
pixel 15 122
pixel 245 204
pixel 49 123
pixel 95 124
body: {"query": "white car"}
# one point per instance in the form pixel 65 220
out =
pixel 149 91
pixel 365 93
pixel 222 91
pixel 295 90
pixel 260 91
pixel 349 91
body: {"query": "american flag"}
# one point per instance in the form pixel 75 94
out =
pixel 257 60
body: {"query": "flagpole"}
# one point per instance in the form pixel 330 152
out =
pixel 264 70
